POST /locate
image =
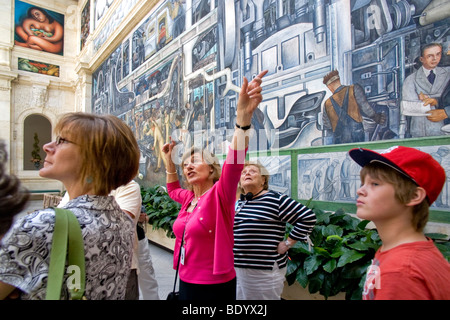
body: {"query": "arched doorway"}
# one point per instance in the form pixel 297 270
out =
pixel 37 132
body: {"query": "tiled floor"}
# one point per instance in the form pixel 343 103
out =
pixel 161 258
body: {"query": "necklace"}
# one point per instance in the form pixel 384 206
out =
pixel 198 198
pixel 202 194
pixel 195 201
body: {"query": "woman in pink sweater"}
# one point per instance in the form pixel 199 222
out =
pixel 204 227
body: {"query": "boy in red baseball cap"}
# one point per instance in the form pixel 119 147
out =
pixel 397 188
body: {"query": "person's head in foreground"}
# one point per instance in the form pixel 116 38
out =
pixel 397 188
pixel 410 180
pixel 92 154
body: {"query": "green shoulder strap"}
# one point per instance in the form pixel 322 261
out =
pixel 76 257
pixel 57 257
pixel 67 237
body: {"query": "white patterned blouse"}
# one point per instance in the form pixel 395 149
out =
pixel 108 241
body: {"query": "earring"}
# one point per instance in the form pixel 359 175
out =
pixel 89 180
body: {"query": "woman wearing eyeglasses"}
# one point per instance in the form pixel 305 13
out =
pixel 260 250
pixel 204 226
pixel 85 159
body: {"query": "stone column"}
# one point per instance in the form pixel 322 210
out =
pixel 83 94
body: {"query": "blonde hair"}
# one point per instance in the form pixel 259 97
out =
pixel 109 150
pixel 209 158
pixel 404 187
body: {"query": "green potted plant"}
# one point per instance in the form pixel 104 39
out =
pixel 35 154
pixel 442 242
pixel 160 208
pixel 342 249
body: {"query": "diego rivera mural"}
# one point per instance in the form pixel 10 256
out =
pixel 339 72
pixel 38 28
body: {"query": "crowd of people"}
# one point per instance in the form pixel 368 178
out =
pixel 230 231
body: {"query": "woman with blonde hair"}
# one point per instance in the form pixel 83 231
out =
pixel 84 157
pixel 204 226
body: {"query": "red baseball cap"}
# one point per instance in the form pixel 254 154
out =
pixel 416 165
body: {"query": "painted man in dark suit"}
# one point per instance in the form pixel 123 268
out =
pixel 428 82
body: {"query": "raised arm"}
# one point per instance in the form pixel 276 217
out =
pixel 249 99
pixel 171 170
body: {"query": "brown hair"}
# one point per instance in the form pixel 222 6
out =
pixel 404 187
pixel 108 147
pixel 209 158
pixel 330 75
pixel 429 45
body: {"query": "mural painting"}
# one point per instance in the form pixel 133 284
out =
pixel 85 23
pixel 335 176
pixel 38 28
pixel 107 97
pixel 100 9
pixel 340 72
pixel 110 24
pixel 38 67
pixel 279 168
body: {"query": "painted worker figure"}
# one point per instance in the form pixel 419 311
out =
pixel 344 110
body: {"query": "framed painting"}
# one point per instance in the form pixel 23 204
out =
pixel 38 28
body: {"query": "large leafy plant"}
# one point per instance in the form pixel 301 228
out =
pixel 342 249
pixel 442 242
pixel 160 208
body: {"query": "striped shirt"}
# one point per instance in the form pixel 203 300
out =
pixel 260 225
